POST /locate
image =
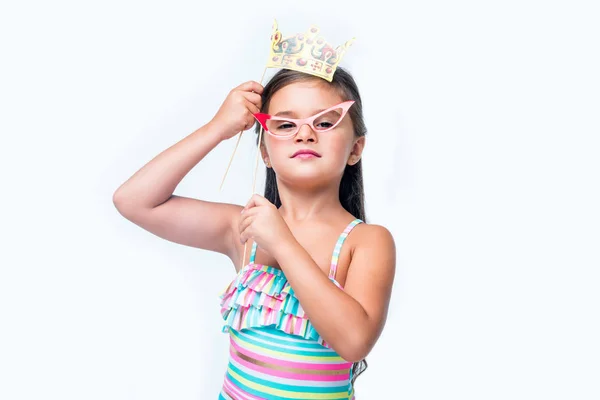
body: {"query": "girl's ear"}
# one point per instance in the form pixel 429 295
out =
pixel 265 155
pixel 357 150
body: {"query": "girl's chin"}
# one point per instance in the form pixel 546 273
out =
pixel 306 176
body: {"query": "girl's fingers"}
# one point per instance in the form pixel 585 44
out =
pixel 257 200
pixel 250 119
pixel 245 235
pixel 253 98
pixel 245 223
pixel 251 106
pixel 251 203
pixel 250 86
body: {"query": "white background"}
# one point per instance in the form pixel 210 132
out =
pixel 481 159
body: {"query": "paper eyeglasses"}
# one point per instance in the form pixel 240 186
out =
pixel 284 128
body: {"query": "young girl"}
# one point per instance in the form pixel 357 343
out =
pixel 312 299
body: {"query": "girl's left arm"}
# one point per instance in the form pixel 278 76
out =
pixel 349 320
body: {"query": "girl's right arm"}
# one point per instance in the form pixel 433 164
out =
pixel 147 198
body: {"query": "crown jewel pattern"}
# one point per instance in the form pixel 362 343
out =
pixel 306 52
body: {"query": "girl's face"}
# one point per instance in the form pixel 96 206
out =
pixel 335 148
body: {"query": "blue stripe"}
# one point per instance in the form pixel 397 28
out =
pixel 282 338
pixel 274 347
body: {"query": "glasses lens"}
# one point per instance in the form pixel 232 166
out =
pixel 328 120
pixel 280 127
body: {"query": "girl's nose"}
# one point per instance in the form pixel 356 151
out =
pixel 305 132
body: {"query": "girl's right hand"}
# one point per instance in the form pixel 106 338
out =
pixel 235 114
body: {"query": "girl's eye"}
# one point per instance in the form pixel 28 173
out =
pixel 324 124
pixel 285 125
pixel 280 126
pixel 328 119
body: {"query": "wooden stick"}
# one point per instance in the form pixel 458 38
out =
pixel 257 156
pixel 255 168
pixel 236 145
pixel 230 160
pixel 253 185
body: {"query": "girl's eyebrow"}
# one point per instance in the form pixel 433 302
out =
pixel 291 113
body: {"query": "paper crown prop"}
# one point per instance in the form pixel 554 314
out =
pixel 306 52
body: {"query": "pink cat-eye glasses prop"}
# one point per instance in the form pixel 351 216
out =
pixel 285 128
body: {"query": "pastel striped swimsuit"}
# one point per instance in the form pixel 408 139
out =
pixel 275 352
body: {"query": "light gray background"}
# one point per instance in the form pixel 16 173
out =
pixel 481 159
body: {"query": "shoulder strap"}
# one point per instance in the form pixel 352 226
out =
pixel 253 253
pixel 338 247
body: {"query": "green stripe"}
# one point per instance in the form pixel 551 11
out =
pixel 281 386
pixel 254 392
pixel 284 350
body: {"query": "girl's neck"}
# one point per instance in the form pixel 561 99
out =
pixel 304 206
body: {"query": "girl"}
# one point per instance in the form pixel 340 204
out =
pixel 309 306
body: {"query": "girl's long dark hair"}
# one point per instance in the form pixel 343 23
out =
pixel 352 194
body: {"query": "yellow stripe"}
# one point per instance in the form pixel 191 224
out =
pixel 282 393
pixel 276 354
pixel 269 286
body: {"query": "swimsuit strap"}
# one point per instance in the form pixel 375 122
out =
pixel 338 247
pixel 253 253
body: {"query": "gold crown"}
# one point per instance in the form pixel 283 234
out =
pixel 305 52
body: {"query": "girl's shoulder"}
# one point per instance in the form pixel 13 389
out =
pixel 371 234
pixel 370 247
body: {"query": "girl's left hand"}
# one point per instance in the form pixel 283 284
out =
pixel 262 222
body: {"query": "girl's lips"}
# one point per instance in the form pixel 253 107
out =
pixel 306 154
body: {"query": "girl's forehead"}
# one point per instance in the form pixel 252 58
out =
pixel 304 97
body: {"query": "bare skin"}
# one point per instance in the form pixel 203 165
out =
pixel 300 236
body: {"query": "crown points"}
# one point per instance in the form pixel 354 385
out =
pixel 305 52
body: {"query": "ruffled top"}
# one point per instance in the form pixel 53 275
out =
pixel 260 295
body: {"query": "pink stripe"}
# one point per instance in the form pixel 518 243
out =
pixel 259 281
pixel 248 296
pixel 297 328
pixel 237 391
pixel 287 374
pixel 288 323
pixel 286 363
pixel 269 279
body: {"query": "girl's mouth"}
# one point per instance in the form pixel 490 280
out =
pixel 306 153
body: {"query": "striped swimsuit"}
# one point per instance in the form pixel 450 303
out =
pixel 275 352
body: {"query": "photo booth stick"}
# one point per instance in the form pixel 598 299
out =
pixel 236 146
pixel 303 52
